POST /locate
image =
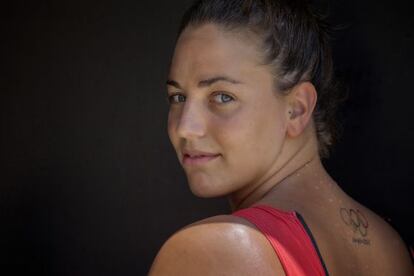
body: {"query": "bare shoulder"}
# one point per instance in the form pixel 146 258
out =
pixel 392 252
pixel 374 247
pixel 219 245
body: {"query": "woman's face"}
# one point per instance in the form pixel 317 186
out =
pixel 226 122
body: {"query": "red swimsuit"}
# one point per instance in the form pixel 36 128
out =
pixel 290 237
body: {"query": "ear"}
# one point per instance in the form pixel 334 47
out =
pixel 301 103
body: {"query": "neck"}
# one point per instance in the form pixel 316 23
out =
pixel 293 167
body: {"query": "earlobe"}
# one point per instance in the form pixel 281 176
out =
pixel 302 101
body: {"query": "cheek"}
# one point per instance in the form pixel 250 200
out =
pixel 227 130
pixel 254 134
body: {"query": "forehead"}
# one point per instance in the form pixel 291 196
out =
pixel 206 50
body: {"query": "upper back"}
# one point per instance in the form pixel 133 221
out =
pixel 355 241
pixel 352 240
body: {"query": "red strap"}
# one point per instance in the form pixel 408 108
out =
pixel 288 237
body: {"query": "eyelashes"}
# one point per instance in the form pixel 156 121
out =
pixel 175 99
pixel 223 98
pixel 218 98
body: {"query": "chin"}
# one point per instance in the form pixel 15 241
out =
pixel 204 190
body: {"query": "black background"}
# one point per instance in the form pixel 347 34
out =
pixel 89 182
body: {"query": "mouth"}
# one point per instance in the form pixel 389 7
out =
pixel 198 158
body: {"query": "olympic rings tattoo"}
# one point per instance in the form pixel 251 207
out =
pixel 355 219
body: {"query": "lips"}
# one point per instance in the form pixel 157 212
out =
pixel 196 157
pixel 198 153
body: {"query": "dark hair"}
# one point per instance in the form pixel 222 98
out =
pixel 295 41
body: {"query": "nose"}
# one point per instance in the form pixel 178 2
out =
pixel 192 123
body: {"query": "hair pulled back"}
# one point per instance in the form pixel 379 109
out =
pixel 294 41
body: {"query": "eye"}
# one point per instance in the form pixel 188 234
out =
pixel 177 98
pixel 223 98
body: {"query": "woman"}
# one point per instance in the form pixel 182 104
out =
pixel 252 97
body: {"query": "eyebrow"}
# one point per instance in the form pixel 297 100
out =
pixel 206 82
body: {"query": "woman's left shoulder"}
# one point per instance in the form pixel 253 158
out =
pixel 219 244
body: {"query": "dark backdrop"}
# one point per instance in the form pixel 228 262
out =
pixel 89 182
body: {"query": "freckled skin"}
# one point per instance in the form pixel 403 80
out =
pixel 248 132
